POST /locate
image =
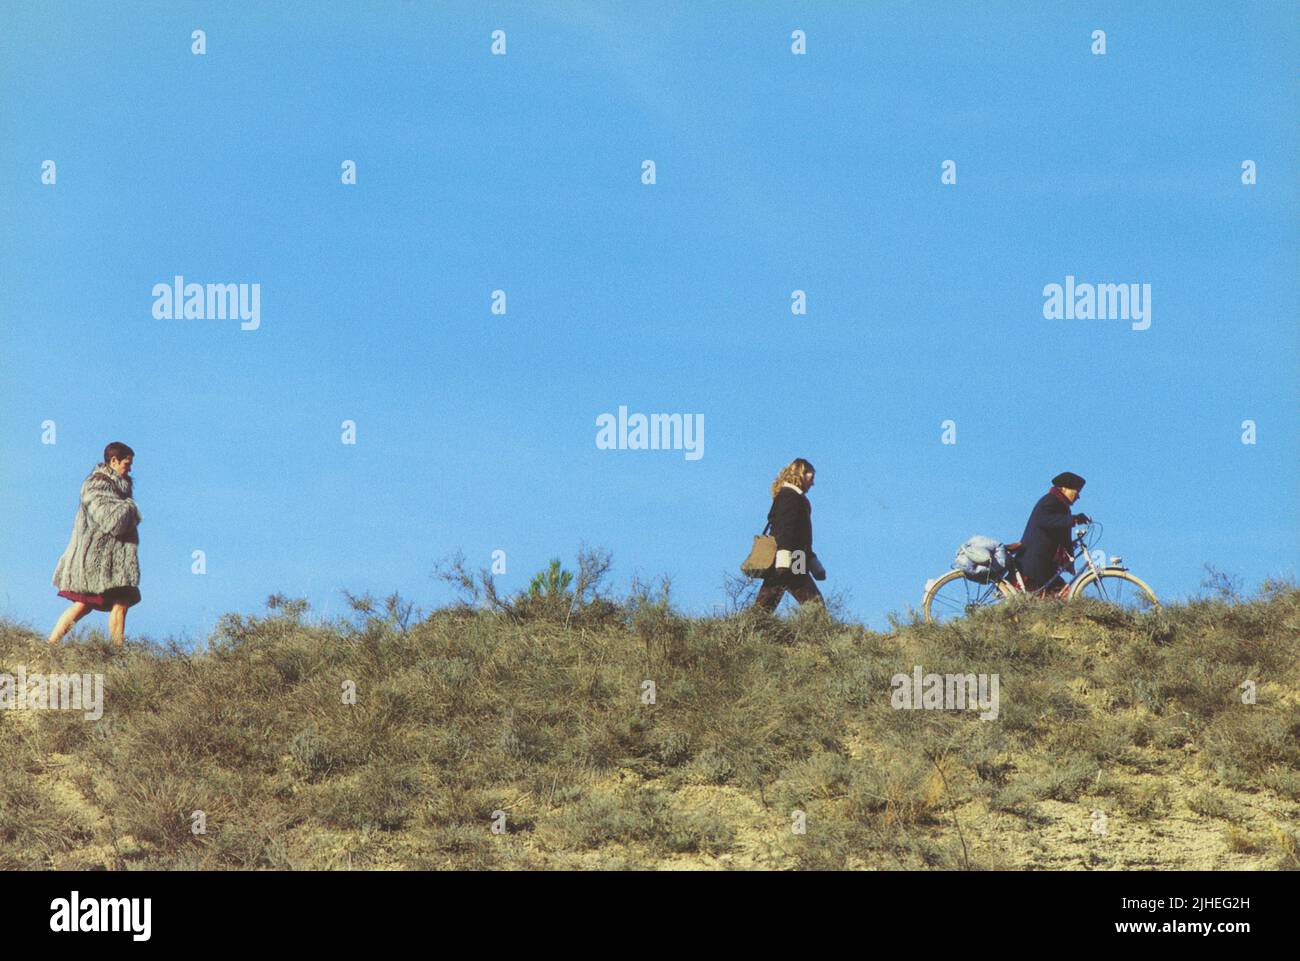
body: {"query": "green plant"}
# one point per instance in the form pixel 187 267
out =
pixel 552 582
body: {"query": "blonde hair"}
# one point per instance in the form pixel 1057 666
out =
pixel 792 473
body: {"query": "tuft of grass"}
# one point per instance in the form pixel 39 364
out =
pixel 1211 802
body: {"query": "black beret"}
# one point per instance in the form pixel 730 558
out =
pixel 1069 479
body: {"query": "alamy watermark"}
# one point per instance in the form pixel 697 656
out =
pixel 1098 302
pixel 946 692
pixel 684 432
pixel 182 301
pixel 128 915
pixel 53 692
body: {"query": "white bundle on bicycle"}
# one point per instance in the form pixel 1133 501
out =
pixel 982 558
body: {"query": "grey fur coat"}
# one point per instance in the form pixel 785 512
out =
pixel 102 552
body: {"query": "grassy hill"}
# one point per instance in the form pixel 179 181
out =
pixel 1121 742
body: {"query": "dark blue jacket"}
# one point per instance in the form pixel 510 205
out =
pixel 1047 532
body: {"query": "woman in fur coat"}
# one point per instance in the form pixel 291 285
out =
pixel 100 569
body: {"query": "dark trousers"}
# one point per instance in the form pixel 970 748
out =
pixel 802 586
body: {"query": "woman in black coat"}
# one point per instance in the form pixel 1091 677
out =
pixel 791 521
pixel 1045 544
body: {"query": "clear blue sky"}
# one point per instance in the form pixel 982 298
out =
pixel 775 172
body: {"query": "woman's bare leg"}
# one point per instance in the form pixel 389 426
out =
pixel 73 614
pixel 117 624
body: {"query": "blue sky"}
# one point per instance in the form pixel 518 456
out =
pixel 522 172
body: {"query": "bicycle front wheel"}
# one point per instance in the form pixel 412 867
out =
pixel 1117 587
pixel 954 595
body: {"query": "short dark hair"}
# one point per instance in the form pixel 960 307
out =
pixel 117 450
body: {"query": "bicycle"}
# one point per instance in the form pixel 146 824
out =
pixel 956 594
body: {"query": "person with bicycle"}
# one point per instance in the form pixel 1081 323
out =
pixel 1046 543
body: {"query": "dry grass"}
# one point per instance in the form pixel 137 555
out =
pixel 533 718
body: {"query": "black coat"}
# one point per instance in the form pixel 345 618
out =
pixel 1047 532
pixel 791 520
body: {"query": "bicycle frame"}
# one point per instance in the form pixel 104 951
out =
pixel 1079 550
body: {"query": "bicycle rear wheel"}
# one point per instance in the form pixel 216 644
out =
pixel 954 595
pixel 1118 587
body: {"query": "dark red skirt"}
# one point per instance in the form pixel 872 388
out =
pixel 103 602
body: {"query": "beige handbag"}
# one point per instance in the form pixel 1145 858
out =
pixel 762 556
